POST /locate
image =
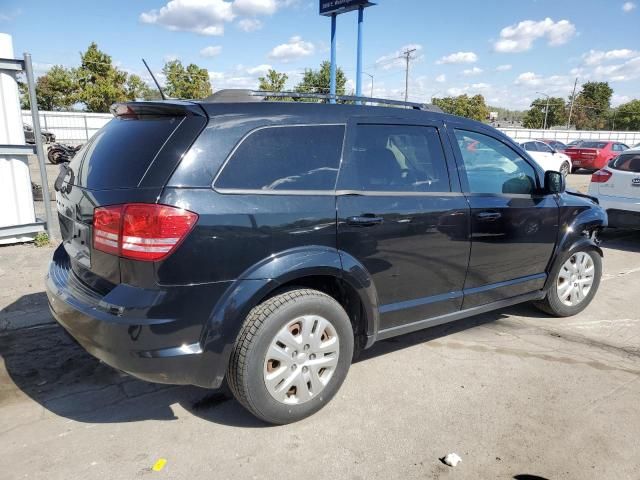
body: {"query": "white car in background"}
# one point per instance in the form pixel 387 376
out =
pixel 617 188
pixel 547 157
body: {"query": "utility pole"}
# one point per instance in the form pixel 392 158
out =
pixel 371 76
pixel 546 110
pixel 407 56
pixel 573 99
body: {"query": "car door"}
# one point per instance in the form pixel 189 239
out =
pixel 403 218
pixel 514 225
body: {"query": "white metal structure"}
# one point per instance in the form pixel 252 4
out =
pixel 617 188
pixel 17 215
pixel 547 157
pixel 70 127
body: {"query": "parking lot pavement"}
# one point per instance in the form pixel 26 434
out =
pixel 513 392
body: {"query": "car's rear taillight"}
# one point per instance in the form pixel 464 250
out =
pixel 601 176
pixel 141 231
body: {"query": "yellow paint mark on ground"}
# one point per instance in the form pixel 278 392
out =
pixel 159 465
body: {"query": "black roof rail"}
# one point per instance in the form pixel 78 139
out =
pixel 244 96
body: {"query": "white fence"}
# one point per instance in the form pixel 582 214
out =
pixel 566 136
pixel 78 127
pixel 70 127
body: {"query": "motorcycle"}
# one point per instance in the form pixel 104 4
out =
pixel 60 153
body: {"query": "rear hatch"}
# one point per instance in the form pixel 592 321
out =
pixel 128 161
pixel 625 177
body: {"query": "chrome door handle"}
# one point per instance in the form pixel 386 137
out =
pixel 366 220
pixel 488 215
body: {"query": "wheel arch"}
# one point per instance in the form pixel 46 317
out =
pixel 323 268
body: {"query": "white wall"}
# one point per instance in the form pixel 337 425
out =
pixel 565 136
pixel 78 127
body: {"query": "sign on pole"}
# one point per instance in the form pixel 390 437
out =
pixel 336 7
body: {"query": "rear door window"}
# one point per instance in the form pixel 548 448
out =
pixel 395 158
pixel 295 158
pixel 121 152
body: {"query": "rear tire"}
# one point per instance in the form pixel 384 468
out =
pixel 292 354
pixel 568 294
pixel 565 169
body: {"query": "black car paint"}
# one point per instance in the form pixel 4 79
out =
pixel 175 321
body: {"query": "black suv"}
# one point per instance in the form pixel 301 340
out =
pixel 264 244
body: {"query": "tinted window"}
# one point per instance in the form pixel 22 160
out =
pixel 593 145
pixel 530 146
pixel 395 158
pixel 543 147
pixel 120 153
pixel 629 162
pixel 285 158
pixel 619 147
pixel 493 167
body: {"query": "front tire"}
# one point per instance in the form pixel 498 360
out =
pixel 565 169
pixel 575 284
pixel 292 354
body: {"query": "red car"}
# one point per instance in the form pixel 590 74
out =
pixel 594 154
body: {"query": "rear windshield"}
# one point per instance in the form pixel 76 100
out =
pixel 593 145
pixel 120 153
pixel 629 162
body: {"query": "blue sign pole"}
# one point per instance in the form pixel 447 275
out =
pixel 332 87
pixel 359 61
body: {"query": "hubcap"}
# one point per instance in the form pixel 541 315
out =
pixel 301 359
pixel 575 279
pixel 564 169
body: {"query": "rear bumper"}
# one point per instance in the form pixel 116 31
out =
pixel 127 328
pixel 623 212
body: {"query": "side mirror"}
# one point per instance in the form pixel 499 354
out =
pixel 554 182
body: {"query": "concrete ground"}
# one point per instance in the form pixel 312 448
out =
pixel 515 393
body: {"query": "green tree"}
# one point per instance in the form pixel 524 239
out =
pixel 55 90
pixel 627 116
pixel 272 81
pixel 100 83
pixel 464 106
pixel 592 105
pixel 318 81
pixel 138 89
pixel 191 82
pixel 534 118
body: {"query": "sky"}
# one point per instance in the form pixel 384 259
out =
pixel 505 50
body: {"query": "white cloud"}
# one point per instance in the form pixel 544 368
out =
pixel 205 17
pixel 596 57
pixel 628 6
pixel 397 59
pixel 296 48
pixel 520 37
pixel 622 72
pixel 249 24
pixel 480 86
pixel 211 51
pixel 259 69
pixel 459 57
pixel 441 78
pixel 255 7
pixel 503 68
pixel 617 100
pixel 472 71
pixel 170 57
